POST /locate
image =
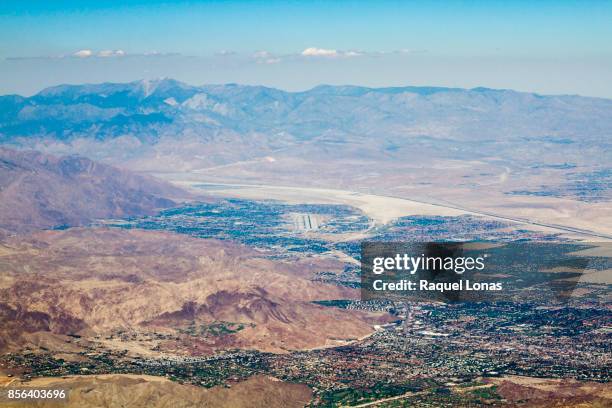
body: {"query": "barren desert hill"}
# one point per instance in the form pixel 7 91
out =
pixel 142 391
pixel 551 392
pixel 42 191
pixel 203 295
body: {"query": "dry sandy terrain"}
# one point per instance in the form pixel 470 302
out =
pixel 381 209
pixel 545 392
pixel 526 212
pixel 97 282
pixel 142 391
pixel 516 189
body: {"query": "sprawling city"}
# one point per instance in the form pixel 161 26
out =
pixel 271 204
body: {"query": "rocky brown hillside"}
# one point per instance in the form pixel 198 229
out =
pixel 167 293
pixel 44 191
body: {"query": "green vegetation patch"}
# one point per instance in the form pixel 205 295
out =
pixel 487 394
pixel 352 396
pixel 220 328
pixel 341 303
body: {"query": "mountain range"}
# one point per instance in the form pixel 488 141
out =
pixel 150 110
pixel 44 191
pixel 501 151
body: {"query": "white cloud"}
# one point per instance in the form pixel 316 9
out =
pixel 319 52
pixel 83 53
pixel 353 54
pixel 272 61
pixel 88 53
pixel 329 53
pixel 262 54
pixel 265 57
pixel 412 51
pixel 111 53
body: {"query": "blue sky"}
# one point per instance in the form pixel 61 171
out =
pixel 546 47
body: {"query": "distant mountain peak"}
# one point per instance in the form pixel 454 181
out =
pixel 153 108
pixel 164 84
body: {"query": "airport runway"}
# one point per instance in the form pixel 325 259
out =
pixel 344 196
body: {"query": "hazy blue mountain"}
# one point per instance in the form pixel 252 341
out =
pixel 149 110
pixel 516 143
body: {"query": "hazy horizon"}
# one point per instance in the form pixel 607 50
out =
pixel 300 90
pixel 546 48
